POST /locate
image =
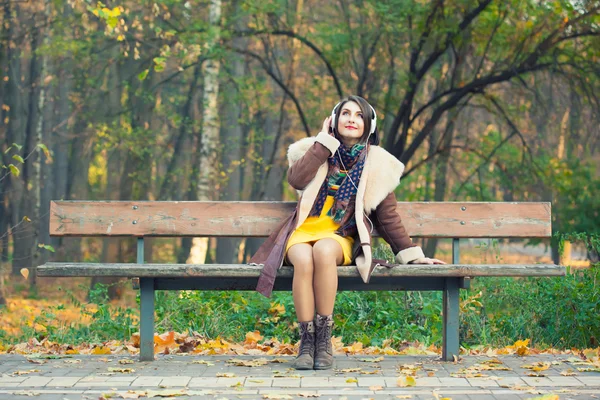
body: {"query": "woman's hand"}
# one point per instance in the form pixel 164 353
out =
pixel 427 260
pixel 327 125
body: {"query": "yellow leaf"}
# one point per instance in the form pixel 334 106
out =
pixel 120 38
pixel 351 380
pixel 25 273
pixel 123 370
pixel 253 337
pixel 406 381
pixel 277 309
pixel 225 375
pixel 101 350
pixel 546 397
pixel 375 388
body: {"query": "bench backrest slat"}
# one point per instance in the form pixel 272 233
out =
pixel 257 219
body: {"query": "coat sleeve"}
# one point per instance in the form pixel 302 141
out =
pixel 303 170
pixel 389 225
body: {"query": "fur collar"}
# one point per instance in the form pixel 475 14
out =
pixel 382 177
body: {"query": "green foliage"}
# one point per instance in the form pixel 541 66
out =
pixel 560 312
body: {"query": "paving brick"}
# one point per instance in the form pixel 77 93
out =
pixel 541 382
pixel 35 381
pixel 203 382
pixel 94 378
pixel 285 382
pixel 511 381
pixel 174 381
pixel 151 381
pixel 8 379
pixel 342 382
pixel 454 382
pixel 586 380
pixel 229 382
pixel 64 381
pixel 480 382
pixel 313 382
pixel 260 382
pixel 371 381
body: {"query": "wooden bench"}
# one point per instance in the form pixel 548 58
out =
pixel 142 219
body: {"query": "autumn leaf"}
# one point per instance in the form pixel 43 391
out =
pixel 101 350
pixel 568 372
pixel 406 381
pixel 122 370
pixel 225 375
pixel 377 359
pixel 277 309
pixel 24 272
pixel 520 347
pixel 351 380
pixel 253 337
pixel 375 388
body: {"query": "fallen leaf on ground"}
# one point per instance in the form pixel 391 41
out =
pixel 375 388
pixel 166 393
pixel 28 393
pixel 371 359
pixel 123 370
pixel 225 375
pixel 277 396
pixel 351 380
pixel 568 372
pixel 25 372
pixel 347 370
pixel 546 397
pixel 126 361
pixel 248 363
pixel 202 362
pixel 406 381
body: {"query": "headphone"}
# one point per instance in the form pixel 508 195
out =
pixel 373 120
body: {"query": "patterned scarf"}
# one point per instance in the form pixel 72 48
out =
pixel 342 210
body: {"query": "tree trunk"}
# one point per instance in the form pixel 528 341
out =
pixel 210 125
pixel 231 134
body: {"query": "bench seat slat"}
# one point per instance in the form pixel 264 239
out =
pixel 249 271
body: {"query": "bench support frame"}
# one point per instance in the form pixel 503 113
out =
pixel 146 310
pixel 148 286
pixel 451 304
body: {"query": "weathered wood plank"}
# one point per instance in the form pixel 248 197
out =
pixel 256 219
pixel 251 271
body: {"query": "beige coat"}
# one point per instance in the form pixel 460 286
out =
pixel 374 198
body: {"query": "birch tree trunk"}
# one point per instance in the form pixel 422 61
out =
pixel 210 127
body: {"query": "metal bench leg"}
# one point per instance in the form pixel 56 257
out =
pixel 146 319
pixel 450 347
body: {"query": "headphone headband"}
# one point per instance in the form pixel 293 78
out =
pixel 373 120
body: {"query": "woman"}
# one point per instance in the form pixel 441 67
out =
pixel 339 174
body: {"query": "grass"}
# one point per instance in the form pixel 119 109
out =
pixel 558 312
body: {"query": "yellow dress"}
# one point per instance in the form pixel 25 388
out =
pixel 321 227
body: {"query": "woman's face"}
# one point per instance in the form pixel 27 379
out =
pixel 350 123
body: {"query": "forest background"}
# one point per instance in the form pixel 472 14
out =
pixel 198 100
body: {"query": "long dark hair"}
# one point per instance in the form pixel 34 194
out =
pixel 367 113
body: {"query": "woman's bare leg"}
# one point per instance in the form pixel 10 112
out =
pixel 300 256
pixel 327 255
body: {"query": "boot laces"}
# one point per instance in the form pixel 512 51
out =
pixel 307 342
pixel 324 338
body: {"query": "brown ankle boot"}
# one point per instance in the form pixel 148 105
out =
pixel 324 349
pixel 306 352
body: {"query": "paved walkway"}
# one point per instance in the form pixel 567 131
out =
pixel 217 377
